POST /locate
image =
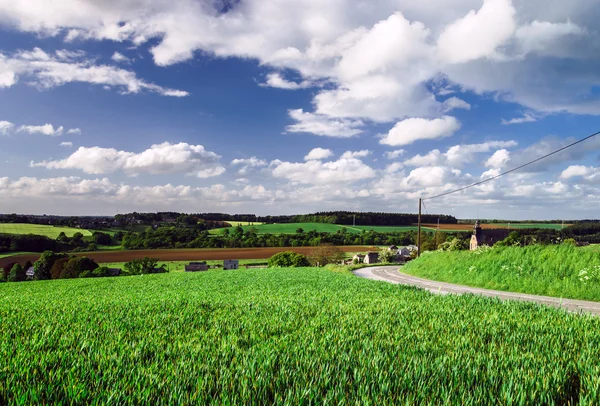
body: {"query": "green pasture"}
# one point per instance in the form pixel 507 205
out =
pixel 10 254
pixel 552 270
pixel 48 231
pixel 243 223
pixel 290 228
pixel 529 225
pixel 179 266
pixel 286 337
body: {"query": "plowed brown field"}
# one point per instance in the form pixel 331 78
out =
pixel 186 254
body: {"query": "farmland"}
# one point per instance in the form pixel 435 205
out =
pixel 554 270
pixel 243 223
pixel 285 337
pixel 290 228
pixel 48 231
pixel 186 254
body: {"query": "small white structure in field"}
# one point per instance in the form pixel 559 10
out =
pixel 30 273
pixel 358 258
pixel 231 264
pixel 371 258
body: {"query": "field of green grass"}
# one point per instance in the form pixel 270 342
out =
pixel 554 270
pixel 48 231
pixel 10 254
pixel 244 223
pixel 290 228
pixel 285 336
pixel 530 225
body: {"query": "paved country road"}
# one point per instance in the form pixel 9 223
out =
pixel 391 274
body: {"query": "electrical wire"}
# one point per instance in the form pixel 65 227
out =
pixel 512 170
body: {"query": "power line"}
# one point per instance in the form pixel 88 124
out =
pixel 512 170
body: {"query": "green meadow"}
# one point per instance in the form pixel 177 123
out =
pixel 48 231
pixel 290 228
pixel 553 270
pixel 285 336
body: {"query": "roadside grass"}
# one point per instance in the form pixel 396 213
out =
pixel 555 270
pixel 285 336
pixel 48 231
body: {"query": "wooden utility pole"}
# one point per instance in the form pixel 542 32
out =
pixel 419 230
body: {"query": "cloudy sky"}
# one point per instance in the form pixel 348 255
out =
pixel 293 106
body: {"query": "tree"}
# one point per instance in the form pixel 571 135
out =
pixel 77 265
pixel 102 238
pixel 299 230
pixel 140 266
pixel 17 274
pixel 387 256
pixel 288 260
pixel 58 267
pixel 44 264
pixel 326 254
pixel 7 269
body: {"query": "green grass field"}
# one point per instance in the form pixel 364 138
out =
pixel 530 225
pixel 290 228
pixel 244 223
pixel 555 270
pixel 48 231
pixel 179 266
pixel 10 254
pixel 285 336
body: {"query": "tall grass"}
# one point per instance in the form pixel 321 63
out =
pixel 301 336
pixel 554 270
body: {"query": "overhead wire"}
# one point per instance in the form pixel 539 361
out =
pixel 513 169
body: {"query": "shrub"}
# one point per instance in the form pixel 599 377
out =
pixel 326 254
pixel 7 269
pixel 140 266
pixel 87 274
pixel 387 256
pixel 570 241
pixel 44 264
pixel 17 274
pixel 100 272
pixel 76 265
pixel 288 260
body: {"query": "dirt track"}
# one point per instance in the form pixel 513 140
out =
pixel 186 254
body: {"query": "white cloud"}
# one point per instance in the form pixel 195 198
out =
pixel 356 154
pixel 6 127
pixel 322 125
pixel 394 154
pixel 317 154
pixel 479 33
pixel 432 158
pixel 165 158
pixel 577 171
pixel 66 144
pixel 455 103
pixel 120 58
pixel 499 159
pixel 415 129
pixel 74 131
pixel 277 81
pixel 46 129
pixel 527 118
pixel 49 70
pixel 461 154
pixel 248 163
pixel 320 173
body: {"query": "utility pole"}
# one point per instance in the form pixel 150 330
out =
pixel 419 230
pixel 436 234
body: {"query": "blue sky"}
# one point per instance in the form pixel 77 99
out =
pixel 276 107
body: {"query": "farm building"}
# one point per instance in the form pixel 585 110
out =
pixel 30 273
pixel 392 248
pixel 196 266
pixel 358 258
pixel 231 264
pixel 371 258
pixel 404 252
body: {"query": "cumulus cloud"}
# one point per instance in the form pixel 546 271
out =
pixel 248 163
pixel 165 158
pixel 319 172
pixel 74 131
pixel 455 103
pixel 46 70
pixel 527 118
pixel 394 154
pixel 6 127
pixel 322 125
pixel 66 144
pixel 580 171
pixel 120 58
pixel 415 129
pixel 46 129
pixel 278 81
pixel 499 159
pixel 356 154
pixel 316 154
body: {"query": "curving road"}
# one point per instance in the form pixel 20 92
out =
pixel 391 274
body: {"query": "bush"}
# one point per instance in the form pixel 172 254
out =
pixel 387 256
pixel 570 241
pixel 326 254
pixel 100 272
pixel 76 265
pixel 288 260
pixel 87 274
pixel 141 266
pixel 17 274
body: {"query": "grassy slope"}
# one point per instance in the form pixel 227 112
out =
pixel 243 223
pixel 48 231
pixel 10 254
pixel 557 271
pixel 290 228
pixel 530 225
pixel 285 336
